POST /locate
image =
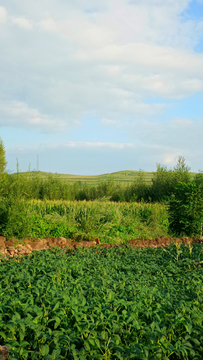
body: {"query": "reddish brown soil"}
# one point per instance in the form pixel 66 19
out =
pixel 12 247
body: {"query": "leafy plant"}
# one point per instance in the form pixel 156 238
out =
pixel 117 303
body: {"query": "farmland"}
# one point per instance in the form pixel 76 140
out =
pixel 117 303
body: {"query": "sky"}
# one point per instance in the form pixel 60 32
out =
pixel 98 86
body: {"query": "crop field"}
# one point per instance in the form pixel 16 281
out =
pixel 117 303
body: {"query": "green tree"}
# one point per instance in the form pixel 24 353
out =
pixel 165 181
pixel 181 171
pixel 186 210
pixel 3 162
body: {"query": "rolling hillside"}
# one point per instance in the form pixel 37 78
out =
pixel 125 176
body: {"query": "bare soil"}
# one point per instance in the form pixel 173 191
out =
pixel 13 247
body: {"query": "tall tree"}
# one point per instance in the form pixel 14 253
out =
pixel 165 181
pixel 3 162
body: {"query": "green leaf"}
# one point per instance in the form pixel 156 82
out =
pixel 55 354
pixel 56 306
pixel 57 321
pixel 3 335
pixel 103 335
pixel 92 342
pixel 87 346
pixel 97 342
pixel 24 343
pixel 83 303
pixel 45 350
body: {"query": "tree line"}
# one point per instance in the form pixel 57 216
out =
pixel 31 185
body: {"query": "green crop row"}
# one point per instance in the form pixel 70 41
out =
pixel 118 303
pixel 108 221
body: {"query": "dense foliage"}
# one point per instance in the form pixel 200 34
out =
pixel 110 222
pixel 186 209
pixel 120 303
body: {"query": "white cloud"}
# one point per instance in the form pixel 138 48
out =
pixel 168 87
pixel 114 70
pixel 23 23
pixel 105 145
pixel 121 22
pixel 3 15
pixel 149 56
pixel 98 58
pixel 18 114
pixel 48 24
pixel 73 145
pixel 87 33
pixel 80 30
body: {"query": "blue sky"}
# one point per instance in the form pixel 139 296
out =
pixel 97 86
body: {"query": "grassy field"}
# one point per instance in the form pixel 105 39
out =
pixel 124 176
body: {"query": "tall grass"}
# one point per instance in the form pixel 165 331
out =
pixel 109 221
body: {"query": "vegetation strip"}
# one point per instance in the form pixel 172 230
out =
pixel 110 222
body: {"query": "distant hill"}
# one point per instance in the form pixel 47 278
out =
pixel 124 176
pixel 121 176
